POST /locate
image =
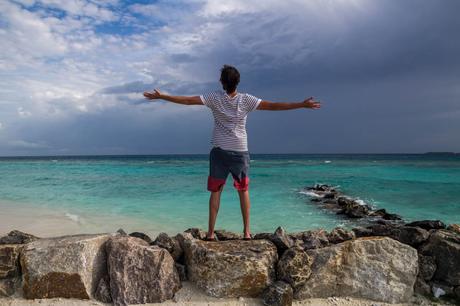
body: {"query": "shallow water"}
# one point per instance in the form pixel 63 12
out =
pixel 169 192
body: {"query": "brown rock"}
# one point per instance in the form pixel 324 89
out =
pixel 196 233
pixel 422 287
pixel 338 235
pixel 294 267
pixel 9 260
pixel 68 266
pixel 444 246
pixel 233 268
pixel 454 228
pixel 380 269
pixel 314 239
pixel 413 236
pixel 282 240
pixel 223 235
pixel 17 237
pixel 278 294
pixel 140 273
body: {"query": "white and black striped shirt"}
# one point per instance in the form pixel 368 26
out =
pixel 230 118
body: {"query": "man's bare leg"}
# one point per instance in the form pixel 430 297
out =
pixel 245 207
pixel 214 203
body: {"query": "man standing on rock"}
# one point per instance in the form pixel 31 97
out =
pixel 229 154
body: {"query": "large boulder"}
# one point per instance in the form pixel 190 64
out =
pixel 428 224
pixel 294 267
pixel 68 266
pixel 378 268
pixel 17 237
pixel 444 246
pixel 281 240
pixel 140 273
pixel 232 268
pixel 9 260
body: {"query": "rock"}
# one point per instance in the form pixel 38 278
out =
pixel 294 267
pixel 428 224
pixel 142 236
pixel 329 195
pixel 442 289
pixel 427 267
pixel 338 235
pixel 182 270
pixel 267 236
pixel 103 290
pixel 352 209
pixel 315 199
pixel 9 260
pixel 421 287
pixel 444 246
pixel 17 237
pixel 68 266
pixel 378 268
pixel 457 292
pixel 169 243
pixel 412 236
pixel 196 233
pixel 314 239
pixel 223 235
pixel 454 228
pixel 8 286
pixel 278 294
pixel 140 273
pixel 232 268
pixel 281 240
pixel 382 213
pixel 362 232
pixel 121 232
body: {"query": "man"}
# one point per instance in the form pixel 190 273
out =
pixel 230 150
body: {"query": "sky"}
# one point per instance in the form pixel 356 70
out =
pixel 72 73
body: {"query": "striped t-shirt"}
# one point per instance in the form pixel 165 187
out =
pixel 230 118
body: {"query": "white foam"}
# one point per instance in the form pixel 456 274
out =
pixel 310 193
pixel 327 161
pixel 73 217
pixel 54 160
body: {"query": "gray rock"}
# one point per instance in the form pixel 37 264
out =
pixel 278 294
pixel 68 266
pixel 17 237
pixel 294 267
pixel 103 290
pixel 169 243
pixel 444 246
pixel 447 290
pixel 413 236
pixel 233 268
pixel 422 287
pixel 140 273
pixel 428 224
pixel 379 268
pixel 281 239
pixel 142 236
pixel 338 235
pixel 314 239
pixel 182 270
pixel 121 232
pixel 9 260
pixel 8 286
pixel 427 267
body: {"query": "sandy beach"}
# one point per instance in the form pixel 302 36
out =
pixel 191 295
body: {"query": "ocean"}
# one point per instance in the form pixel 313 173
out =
pixel 168 192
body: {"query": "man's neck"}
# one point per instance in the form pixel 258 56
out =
pixel 232 94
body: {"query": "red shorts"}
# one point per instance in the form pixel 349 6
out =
pixel 222 162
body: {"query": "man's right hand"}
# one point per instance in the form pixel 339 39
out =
pixel 156 94
pixel 311 103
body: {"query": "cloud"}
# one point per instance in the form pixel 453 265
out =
pixel 389 66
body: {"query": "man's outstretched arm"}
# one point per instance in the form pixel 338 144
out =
pixel 185 100
pixel 278 106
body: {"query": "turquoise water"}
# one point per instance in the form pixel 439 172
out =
pixel 170 191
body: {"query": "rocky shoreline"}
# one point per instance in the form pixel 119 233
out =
pixel 387 260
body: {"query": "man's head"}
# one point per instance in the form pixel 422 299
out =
pixel 229 77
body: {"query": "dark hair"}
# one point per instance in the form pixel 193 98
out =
pixel 229 77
